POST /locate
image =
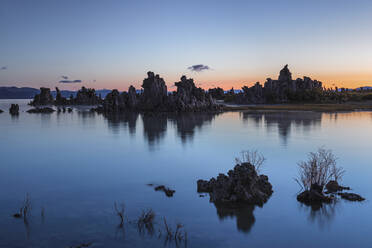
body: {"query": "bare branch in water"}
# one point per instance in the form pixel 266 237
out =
pixel 146 220
pixel 319 168
pixel 120 212
pixel 252 157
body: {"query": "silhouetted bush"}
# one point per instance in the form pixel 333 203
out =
pixel 319 169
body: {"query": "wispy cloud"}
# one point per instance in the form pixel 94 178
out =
pixel 199 68
pixel 70 81
pixel 3 68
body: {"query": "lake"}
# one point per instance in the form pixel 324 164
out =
pixel 76 166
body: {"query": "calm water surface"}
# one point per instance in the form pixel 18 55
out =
pixel 76 166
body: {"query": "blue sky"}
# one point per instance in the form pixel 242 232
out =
pixel 112 44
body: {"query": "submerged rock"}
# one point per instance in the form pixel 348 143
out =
pixel 168 192
pixel 14 109
pixel 82 245
pixel 241 185
pixel 45 110
pixel 17 215
pixel 351 196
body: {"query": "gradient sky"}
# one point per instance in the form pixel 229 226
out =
pixel 112 44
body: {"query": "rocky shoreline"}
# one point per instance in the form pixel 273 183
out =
pixel 281 94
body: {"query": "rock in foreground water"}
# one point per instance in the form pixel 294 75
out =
pixel 14 109
pixel 240 185
pixel 314 196
pixel 333 186
pixel 351 196
pixel 45 110
pixel 168 192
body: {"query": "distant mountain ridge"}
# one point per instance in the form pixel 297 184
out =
pixel 29 93
pixel 365 88
pixel 17 93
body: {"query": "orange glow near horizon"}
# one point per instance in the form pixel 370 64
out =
pixel 329 81
pixel 206 81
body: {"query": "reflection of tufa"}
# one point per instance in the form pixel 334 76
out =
pixel 243 212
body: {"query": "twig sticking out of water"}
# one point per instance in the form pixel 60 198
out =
pixel 120 212
pixel 42 212
pixel 25 209
pixel 146 220
pixel 252 157
pixel 178 236
pixel 168 231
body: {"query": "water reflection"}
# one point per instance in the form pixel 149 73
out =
pixel 322 214
pixel 86 117
pixel 187 123
pixel 155 125
pixel 154 128
pixel 243 214
pixel 128 120
pixel 14 118
pixel 284 121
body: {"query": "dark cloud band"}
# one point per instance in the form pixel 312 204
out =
pixel 199 68
pixel 70 81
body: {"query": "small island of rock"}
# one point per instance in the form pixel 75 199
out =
pixel 14 109
pixel 240 185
